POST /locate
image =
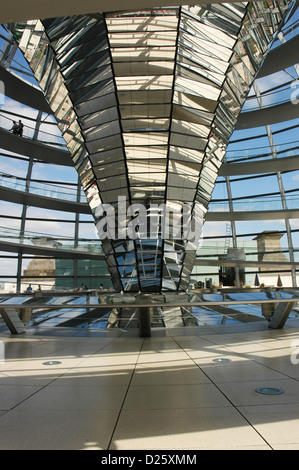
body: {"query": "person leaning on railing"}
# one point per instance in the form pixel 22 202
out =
pixel 14 128
pixel 17 128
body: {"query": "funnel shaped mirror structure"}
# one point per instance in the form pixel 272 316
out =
pixel 147 102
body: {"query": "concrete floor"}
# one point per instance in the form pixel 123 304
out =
pixel 114 390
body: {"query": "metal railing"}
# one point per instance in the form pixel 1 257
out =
pixel 53 190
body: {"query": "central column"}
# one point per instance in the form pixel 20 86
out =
pixel 145 315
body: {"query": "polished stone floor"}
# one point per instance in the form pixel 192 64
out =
pixel 117 391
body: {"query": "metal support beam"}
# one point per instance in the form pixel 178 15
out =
pixel 280 315
pixel 76 235
pixel 12 320
pixel 233 227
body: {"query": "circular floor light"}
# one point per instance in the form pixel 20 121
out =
pixel 269 391
pixel 51 363
pixel 221 359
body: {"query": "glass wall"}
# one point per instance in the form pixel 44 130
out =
pixel 34 192
pixel 261 199
pixel 253 211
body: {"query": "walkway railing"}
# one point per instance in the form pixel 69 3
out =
pixel 57 242
pixel 237 153
pixel 63 192
pixel 113 310
pixel 43 135
pixel 270 203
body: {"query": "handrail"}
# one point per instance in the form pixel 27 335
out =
pixel 256 204
pixel 39 188
pixel 36 149
pixel 249 106
pixel 200 303
pixel 266 116
pixel 13 70
pixel 261 151
pixel 28 130
pixel 217 216
pixel 50 241
pixel 23 92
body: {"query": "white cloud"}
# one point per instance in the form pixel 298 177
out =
pixel 214 229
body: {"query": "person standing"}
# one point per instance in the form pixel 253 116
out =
pixel 29 289
pixel 14 128
pixel 20 128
